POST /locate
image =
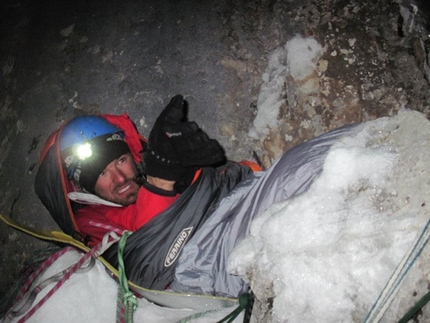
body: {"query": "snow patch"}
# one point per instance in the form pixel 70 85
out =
pixel 325 256
pixel 298 58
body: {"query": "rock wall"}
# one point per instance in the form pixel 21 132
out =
pixel 61 59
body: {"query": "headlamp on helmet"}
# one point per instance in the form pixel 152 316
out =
pixel 84 151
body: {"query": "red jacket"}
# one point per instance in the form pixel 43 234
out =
pixel 96 220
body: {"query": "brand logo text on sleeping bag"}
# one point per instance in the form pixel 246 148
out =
pixel 177 245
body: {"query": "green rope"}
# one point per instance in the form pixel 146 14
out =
pixel 126 298
pixel 414 310
pixel 393 285
pixel 197 315
pixel 244 301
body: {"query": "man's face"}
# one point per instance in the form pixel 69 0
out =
pixel 116 184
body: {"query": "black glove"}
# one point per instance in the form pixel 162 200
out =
pixel 175 144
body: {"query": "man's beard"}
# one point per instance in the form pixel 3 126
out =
pixel 129 198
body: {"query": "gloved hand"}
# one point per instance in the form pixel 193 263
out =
pixel 175 143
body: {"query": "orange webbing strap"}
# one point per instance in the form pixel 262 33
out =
pixel 254 166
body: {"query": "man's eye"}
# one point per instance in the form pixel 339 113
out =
pixel 121 159
pixel 101 174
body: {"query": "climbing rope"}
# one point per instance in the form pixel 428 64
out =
pixel 65 276
pixel 197 315
pixel 127 302
pixel 30 266
pixel 414 310
pixel 246 301
pixel 249 307
pixel 393 285
pixel 28 294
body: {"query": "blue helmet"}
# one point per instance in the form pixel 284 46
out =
pixel 84 128
pixel 87 145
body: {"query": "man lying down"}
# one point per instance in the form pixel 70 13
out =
pixel 187 206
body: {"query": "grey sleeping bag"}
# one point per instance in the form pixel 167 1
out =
pixel 201 267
